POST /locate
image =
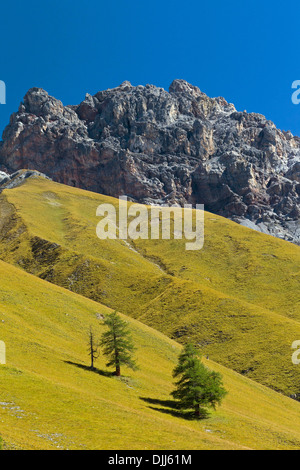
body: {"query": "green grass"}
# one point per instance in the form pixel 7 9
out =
pixel 237 298
pixel 49 400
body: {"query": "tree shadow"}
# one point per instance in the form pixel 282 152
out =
pixel 104 373
pixel 171 407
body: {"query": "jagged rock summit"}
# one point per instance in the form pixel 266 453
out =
pixel 163 147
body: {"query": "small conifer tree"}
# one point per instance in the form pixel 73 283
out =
pixel 92 348
pixel 117 343
pixel 196 386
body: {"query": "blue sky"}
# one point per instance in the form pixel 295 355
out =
pixel 247 52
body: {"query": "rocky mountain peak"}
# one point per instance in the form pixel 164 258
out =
pixel 163 147
pixel 181 86
pixel 38 102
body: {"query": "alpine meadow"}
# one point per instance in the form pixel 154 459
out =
pixel 66 280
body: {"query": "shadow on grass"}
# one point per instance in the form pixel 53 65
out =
pixel 171 407
pixel 104 373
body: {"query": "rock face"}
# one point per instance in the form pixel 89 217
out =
pixel 163 147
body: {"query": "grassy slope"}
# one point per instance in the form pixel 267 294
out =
pixel 238 297
pixel 47 401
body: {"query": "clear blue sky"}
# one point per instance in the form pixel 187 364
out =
pixel 247 52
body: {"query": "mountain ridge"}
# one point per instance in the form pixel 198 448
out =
pixel 160 147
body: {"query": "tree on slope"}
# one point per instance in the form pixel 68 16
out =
pixel 92 348
pixel 117 343
pixel 196 387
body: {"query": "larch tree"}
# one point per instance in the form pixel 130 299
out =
pixel 92 348
pixel 117 343
pixel 196 387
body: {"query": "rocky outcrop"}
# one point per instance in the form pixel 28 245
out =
pixel 17 178
pixel 163 147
